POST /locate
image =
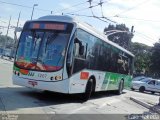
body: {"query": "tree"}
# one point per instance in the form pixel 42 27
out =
pixel 142 60
pixel 6 41
pixel 122 38
pixel 155 60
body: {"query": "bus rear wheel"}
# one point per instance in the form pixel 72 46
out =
pixel 152 92
pixel 89 90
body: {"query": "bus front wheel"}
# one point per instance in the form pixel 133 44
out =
pixel 88 90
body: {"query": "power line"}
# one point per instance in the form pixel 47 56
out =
pixel 15 4
pixel 101 5
pixel 22 6
pixel 70 7
pixel 125 11
pixel 79 15
pixel 103 18
pixel 145 37
pixel 83 9
pixel 138 19
pixel 30 7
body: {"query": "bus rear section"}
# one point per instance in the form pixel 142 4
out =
pixel 40 56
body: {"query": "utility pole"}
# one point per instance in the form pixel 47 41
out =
pixel 4 47
pixel 15 36
pixel 8 25
pixel 18 18
pixel 33 10
pixel 132 29
pixel 131 35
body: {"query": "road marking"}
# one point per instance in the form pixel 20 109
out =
pixel 109 102
pixel 78 109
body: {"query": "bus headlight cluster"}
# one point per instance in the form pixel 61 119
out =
pixel 58 78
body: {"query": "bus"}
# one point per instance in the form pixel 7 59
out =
pixel 64 55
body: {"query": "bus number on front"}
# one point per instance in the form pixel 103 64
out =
pixel 42 75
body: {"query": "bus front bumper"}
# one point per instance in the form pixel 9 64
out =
pixel 61 86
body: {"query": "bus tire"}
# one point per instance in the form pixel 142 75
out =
pixel 120 87
pixel 142 89
pixel 152 92
pixel 88 90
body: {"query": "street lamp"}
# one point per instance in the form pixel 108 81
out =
pixel 33 10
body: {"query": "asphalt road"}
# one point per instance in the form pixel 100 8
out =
pixel 48 105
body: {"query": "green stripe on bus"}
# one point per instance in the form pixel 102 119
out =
pixel 111 81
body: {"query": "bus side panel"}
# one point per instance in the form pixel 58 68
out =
pixel 104 81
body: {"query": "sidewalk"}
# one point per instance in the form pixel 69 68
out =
pixel 7 58
pixel 147 103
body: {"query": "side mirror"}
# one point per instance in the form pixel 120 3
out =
pixel 76 47
pixel 80 48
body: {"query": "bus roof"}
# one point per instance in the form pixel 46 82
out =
pixel 83 25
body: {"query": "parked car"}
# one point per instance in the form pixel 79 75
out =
pixel 138 78
pixel 147 84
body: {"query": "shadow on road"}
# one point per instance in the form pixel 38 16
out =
pixel 20 97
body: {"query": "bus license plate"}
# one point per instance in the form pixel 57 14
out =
pixel 33 83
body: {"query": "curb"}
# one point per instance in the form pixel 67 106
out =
pixel 7 60
pixel 146 105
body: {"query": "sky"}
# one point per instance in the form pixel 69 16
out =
pixel 142 14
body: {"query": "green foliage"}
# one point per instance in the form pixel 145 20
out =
pixel 121 38
pixel 6 41
pixel 155 60
pixel 142 54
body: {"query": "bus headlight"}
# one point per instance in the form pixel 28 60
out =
pixel 58 78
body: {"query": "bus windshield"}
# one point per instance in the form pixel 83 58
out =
pixel 42 50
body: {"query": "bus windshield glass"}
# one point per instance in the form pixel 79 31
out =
pixel 42 46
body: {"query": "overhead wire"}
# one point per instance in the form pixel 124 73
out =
pixel 146 36
pixel 138 19
pixel 70 7
pixel 129 9
pixel 102 18
pixel 15 4
pixel 30 7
